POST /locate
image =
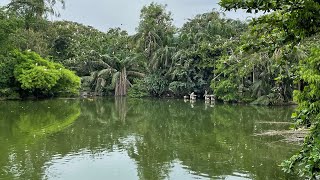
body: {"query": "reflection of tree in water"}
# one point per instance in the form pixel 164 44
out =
pixel 153 163
pixel 105 110
pixel 100 127
pixel 121 108
pixel 24 125
pixel 217 141
pixel 226 145
pixel 152 149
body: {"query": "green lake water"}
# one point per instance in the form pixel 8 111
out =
pixel 93 139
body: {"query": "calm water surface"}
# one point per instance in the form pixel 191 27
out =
pixel 140 139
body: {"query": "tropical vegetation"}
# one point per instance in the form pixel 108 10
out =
pixel 269 60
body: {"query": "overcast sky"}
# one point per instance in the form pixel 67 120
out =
pixel 105 14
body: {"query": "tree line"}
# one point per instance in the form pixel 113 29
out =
pixel 270 60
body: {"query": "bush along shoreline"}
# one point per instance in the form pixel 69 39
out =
pixel 270 60
pixel 31 76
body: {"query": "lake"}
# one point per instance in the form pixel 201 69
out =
pixel 148 139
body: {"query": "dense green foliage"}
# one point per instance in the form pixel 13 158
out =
pixel 23 71
pixel 30 75
pixel 181 61
pixel 38 75
pixel 33 11
pixel 202 41
pixel 159 60
pixel 298 18
pixel 288 37
pixel 307 114
pixel 266 61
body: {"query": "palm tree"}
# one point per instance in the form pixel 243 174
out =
pixel 162 58
pixel 117 70
pixel 120 78
pixel 155 29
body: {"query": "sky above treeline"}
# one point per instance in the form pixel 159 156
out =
pixel 105 14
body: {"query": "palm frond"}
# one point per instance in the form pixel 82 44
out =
pixel 99 63
pixel 87 79
pixel 127 61
pixel 134 73
pixel 104 72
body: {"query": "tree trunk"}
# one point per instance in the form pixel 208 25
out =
pixel 121 85
pixel 253 75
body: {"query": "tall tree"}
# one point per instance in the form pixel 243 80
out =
pixel 33 10
pixel 154 39
pixel 299 18
pixel 119 64
pixel 9 24
pixel 202 41
pixel 155 29
pixel 293 21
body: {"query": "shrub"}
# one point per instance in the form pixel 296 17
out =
pixel 34 75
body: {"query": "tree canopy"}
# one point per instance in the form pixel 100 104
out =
pixel 269 60
pixel 290 31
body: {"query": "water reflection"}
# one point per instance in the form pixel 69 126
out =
pixel 139 139
pixel 25 131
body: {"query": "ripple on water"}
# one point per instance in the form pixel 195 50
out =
pixel 85 165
